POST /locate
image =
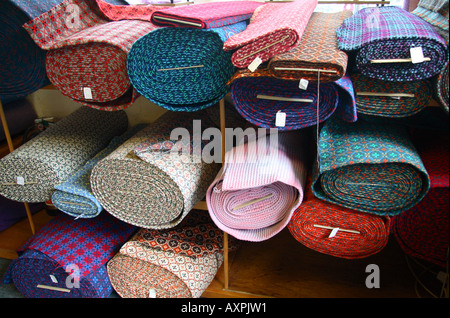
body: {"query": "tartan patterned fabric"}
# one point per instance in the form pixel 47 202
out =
pixel 318 49
pixel 376 166
pixel 56 153
pixel 422 231
pixel 255 193
pixel 206 15
pixel 387 33
pixel 387 106
pixel 335 97
pixel 435 13
pixel 22 61
pixel 115 10
pixel 368 235
pixel 188 73
pixel 274 28
pixel 67 250
pixel 74 196
pixel 175 263
pixel 143 183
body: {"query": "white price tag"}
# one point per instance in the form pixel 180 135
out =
pixel 53 278
pixel 280 119
pixel 333 232
pixel 254 65
pixel 151 293
pixel 303 84
pixel 416 54
pixel 87 92
pixel 20 180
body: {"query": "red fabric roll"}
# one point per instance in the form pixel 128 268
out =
pixel 337 231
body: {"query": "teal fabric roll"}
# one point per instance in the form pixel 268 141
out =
pixel 74 196
pixel 368 167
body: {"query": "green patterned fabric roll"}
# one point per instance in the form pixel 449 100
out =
pixel 369 168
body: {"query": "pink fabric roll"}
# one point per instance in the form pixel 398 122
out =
pixel 255 194
pixel 274 28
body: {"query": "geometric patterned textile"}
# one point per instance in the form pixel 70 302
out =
pixel 146 183
pixel 387 106
pixel 368 167
pixel 441 89
pixel 22 61
pixel 423 231
pixel 74 196
pixel 116 10
pixel 206 15
pixel 67 258
pixel 30 172
pixel 188 73
pixel 382 33
pixel 434 12
pixel 317 50
pixel 359 234
pixel 274 28
pixel 256 192
pixel 179 262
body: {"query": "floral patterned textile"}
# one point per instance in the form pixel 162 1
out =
pixel 74 196
pixel 389 33
pixel 69 254
pixel 274 28
pixel 172 263
pixel 143 183
pixel 375 166
pixel 30 172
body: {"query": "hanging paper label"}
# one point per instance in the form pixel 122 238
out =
pixel 303 84
pixel 53 278
pixel 333 232
pixel 151 293
pixel 87 92
pixel 416 54
pixel 20 180
pixel 280 119
pixel 254 65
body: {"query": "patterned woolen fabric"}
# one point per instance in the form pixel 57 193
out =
pixel 189 72
pixel 335 97
pixel 389 33
pixel 30 172
pixel 255 193
pixel 423 230
pixel 368 167
pixel 274 28
pixel 206 15
pixel 441 89
pixel 22 62
pixel 88 64
pixel 69 254
pixel 434 12
pixel 115 10
pixel 144 183
pixel 74 196
pixel 359 234
pixel 175 263
pixel 387 106
pixel 318 49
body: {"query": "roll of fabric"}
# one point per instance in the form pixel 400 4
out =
pixel 260 98
pixel 74 196
pixel 115 10
pixel 435 13
pixel 441 89
pixel 206 15
pixel 22 61
pixel 369 168
pixel 337 231
pixel 146 183
pixel 188 73
pixel 318 49
pixel 88 64
pixel 67 258
pixel 255 193
pixel 175 263
pixel 29 173
pixel 422 231
pixel 390 99
pixel 386 33
pixel 274 28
